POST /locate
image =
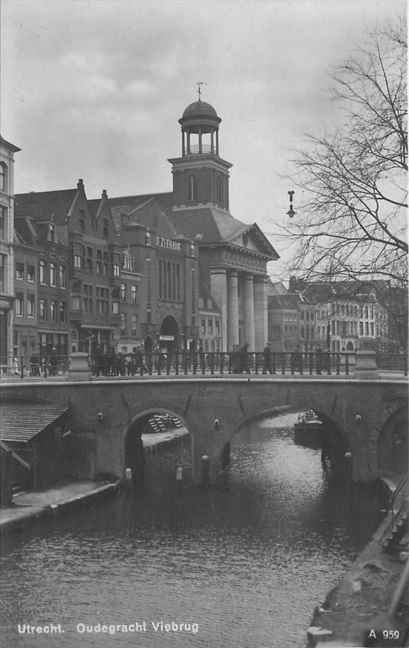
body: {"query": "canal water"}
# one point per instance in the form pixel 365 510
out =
pixel 242 564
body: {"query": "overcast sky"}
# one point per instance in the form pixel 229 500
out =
pixel 94 88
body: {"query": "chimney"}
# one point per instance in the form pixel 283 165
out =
pixel 80 184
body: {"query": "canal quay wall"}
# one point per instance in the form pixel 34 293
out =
pixel 33 505
pixel 105 412
pixel 358 610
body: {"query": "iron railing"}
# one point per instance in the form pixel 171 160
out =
pixel 236 362
pixel 186 363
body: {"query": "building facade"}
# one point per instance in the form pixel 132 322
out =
pixel 162 271
pixel 7 152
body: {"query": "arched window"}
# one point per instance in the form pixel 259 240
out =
pixel 192 188
pixel 3 177
pixel 122 292
pixel 133 294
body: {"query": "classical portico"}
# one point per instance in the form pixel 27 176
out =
pixel 242 299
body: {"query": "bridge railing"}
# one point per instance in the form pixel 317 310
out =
pixel 185 363
pixel 219 363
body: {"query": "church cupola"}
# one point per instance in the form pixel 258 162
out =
pixel 200 129
pixel 200 175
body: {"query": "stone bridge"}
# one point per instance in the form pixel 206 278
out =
pixel 370 416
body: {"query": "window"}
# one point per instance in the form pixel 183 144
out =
pixel 178 281
pixel 115 308
pixel 87 299
pixel 361 328
pixel 102 300
pixel 134 290
pixel 51 233
pixel 220 190
pixel 19 270
pixel 2 271
pixel 52 274
pixel 217 322
pixel 53 311
pixel 76 304
pixel 366 328
pixel 372 329
pixel 3 177
pixel 203 327
pixel 116 269
pixel 77 261
pixel 3 220
pixel 42 308
pixel 62 312
pixel 61 276
pixel 192 188
pixel 210 326
pixel 122 292
pixel 42 272
pixel 19 305
pixel 105 264
pixel 30 273
pixel 99 262
pixel 89 263
pixel 30 305
pixel 123 322
pixel 134 321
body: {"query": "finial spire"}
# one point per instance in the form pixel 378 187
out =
pixel 199 88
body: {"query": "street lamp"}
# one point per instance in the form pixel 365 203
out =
pixel 291 212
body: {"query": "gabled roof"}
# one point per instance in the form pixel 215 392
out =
pixel 21 421
pixel 25 231
pixel 9 145
pixel 42 205
pixel 288 301
pixel 209 225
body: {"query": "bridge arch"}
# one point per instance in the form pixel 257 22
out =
pixel 335 441
pixel 393 444
pixel 134 451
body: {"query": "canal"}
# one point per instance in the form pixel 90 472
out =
pixel 242 564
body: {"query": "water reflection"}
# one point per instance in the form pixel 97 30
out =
pixel 246 560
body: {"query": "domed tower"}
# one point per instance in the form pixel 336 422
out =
pixel 200 175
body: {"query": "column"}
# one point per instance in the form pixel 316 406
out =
pixel 217 142
pixel 233 314
pixel 183 143
pixel 212 141
pixel 248 308
pixel 260 312
pixel 218 289
pixel 200 141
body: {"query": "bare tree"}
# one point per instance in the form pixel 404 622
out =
pixel 353 221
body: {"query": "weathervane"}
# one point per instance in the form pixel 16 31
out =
pixel 199 88
pixel 291 212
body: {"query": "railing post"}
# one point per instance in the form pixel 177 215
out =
pixel 273 367
pixel 292 363
pixel 310 363
pixel 177 363
pixel 338 363
pixel 229 356
pixel 221 362
pixel 283 357
pixel 347 364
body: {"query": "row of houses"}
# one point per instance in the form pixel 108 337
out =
pixel 337 316
pixel 149 271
